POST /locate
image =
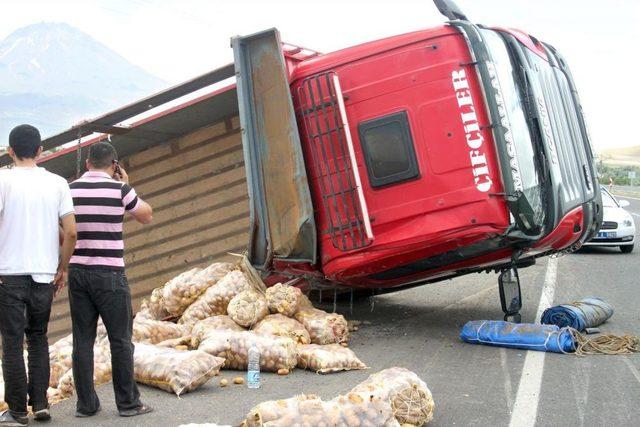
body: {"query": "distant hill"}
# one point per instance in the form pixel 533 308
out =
pixel 53 75
pixel 626 156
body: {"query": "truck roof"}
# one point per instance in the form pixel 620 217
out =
pixel 330 60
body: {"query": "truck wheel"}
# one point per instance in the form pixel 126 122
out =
pixel 513 318
pixel 627 249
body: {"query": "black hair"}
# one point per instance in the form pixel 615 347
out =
pixel 102 155
pixel 25 141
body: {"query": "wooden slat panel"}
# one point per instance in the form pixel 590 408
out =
pixel 193 224
pixel 182 175
pixel 139 160
pixel 202 184
pixel 180 261
pixel 180 157
pixel 188 203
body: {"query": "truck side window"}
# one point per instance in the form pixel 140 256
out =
pixel 388 149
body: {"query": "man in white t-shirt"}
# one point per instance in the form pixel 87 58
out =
pixel 34 205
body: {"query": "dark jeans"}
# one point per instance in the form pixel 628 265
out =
pixel 103 293
pixel 25 306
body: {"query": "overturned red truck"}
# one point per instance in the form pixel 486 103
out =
pixel 415 158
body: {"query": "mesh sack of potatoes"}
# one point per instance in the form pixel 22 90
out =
pixel 175 371
pixel 216 298
pixel 407 394
pixel 101 375
pixel 325 359
pixel 176 293
pixel 248 308
pixel 284 299
pixel 60 356
pixel 282 326
pixel 275 352
pixel 145 311
pixel 204 327
pixel 182 343
pixel 154 306
pixel 155 331
pixel 304 302
pixel 353 409
pixel 181 291
pixel 323 327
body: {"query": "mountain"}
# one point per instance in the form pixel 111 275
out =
pixel 53 75
pixel 626 156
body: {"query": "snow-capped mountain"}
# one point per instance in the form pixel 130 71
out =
pixel 53 75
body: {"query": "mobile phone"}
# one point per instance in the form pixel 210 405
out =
pixel 117 169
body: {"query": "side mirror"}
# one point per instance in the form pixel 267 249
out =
pixel 623 203
pixel 509 282
pixel 450 10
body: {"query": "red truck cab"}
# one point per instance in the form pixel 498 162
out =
pixel 414 158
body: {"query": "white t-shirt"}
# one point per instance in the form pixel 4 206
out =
pixel 32 200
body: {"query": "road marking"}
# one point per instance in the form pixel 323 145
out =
pixel 632 368
pixel 508 390
pixel 525 408
pixel 625 197
pixel 633 213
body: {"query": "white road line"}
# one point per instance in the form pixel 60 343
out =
pixel 632 368
pixel 507 378
pixel 622 196
pixel 525 408
pixel 633 213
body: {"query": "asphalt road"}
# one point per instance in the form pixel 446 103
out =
pixel 472 385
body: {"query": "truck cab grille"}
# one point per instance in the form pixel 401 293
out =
pixel 326 136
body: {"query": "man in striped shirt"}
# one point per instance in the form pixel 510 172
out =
pixel 97 282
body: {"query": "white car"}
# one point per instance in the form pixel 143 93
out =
pixel 618 228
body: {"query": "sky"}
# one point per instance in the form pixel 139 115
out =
pixel 177 40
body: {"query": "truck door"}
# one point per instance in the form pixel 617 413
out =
pixel 281 212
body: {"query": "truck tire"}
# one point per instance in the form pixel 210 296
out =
pixel 627 249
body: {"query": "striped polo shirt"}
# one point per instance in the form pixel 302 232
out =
pixel 100 203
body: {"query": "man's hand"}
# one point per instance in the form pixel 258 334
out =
pixel 59 281
pixel 122 176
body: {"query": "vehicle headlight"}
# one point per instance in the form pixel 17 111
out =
pixel 627 223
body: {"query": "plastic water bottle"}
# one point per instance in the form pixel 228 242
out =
pixel 253 371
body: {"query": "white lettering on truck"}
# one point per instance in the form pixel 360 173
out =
pixel 473 134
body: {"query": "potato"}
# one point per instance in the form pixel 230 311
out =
pixel 204 327
pixel 156 331
pixel 329 358
pixel 283 371
pixel 172 370
pixel 238 380
pixel 281 326
pixel 247 308
pixel 323 327
pixel 224 382
pixel 353 410
pixel 216 298
pixel 184 289
pixel 409 395
pixel 275 352
pixel 284 299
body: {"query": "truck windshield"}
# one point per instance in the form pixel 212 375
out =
pixel 513 119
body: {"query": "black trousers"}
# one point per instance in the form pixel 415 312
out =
pixel 25 306
pixel 103 293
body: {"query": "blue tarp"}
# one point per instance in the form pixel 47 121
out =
pixel 527 336
pixel 586 313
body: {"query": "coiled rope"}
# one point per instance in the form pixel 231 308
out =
pixel 605 344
